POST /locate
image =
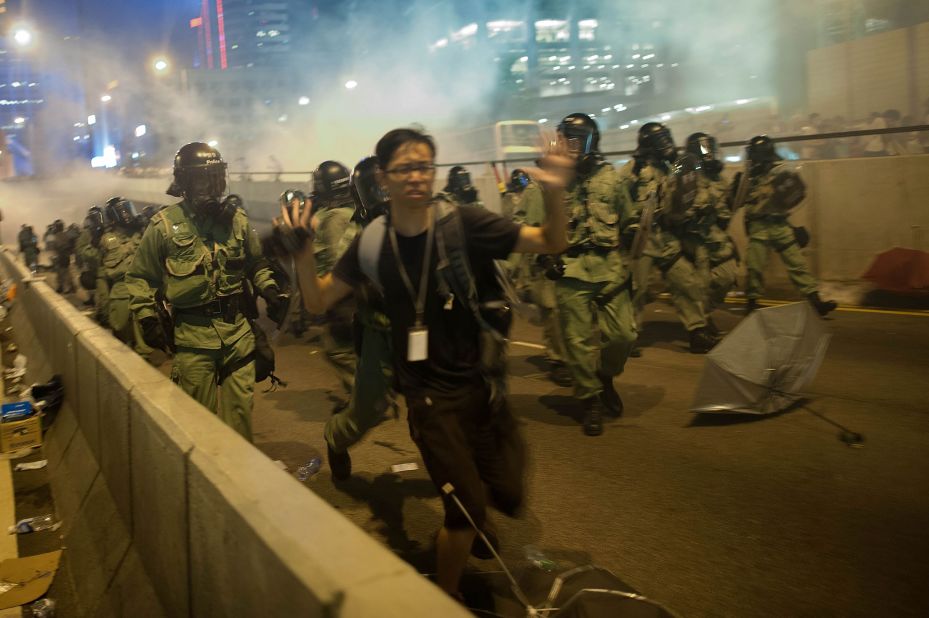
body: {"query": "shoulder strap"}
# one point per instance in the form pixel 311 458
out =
pixel 369 250
pixel 454 266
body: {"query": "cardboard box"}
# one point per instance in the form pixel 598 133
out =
pixel 17 435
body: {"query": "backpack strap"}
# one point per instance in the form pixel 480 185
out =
pixel 454 266
pixel 369 250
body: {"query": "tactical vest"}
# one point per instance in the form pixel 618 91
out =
pixel 593 216
pixel 196 273
pixel 117 251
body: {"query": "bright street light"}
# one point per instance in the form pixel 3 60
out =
pixel 19 120
pixel 160 65
pixel 106 98
pixel 92 119
pixel 303 101
pixel 212 143
pixel 22 36
pixel 351 84
pixel 140 130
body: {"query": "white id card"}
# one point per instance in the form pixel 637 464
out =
pixel 417 344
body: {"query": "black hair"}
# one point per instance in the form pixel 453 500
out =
pixel 388 145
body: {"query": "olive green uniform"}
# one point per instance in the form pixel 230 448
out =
pixel 63 247
pixel 334 224
pixel 594 288
pixel 116 251
pixel 662 249
pixel 767 228
pixel 201 264
pixel 29 246
pixel 531 211
pixel 89 255
pixel 714 253
pixel 372 391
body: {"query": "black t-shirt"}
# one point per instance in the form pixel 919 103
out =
pixel 454 352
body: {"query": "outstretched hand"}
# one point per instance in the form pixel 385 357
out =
pixel 556 167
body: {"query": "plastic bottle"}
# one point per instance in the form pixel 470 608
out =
pixel 34 524
pixel 309 469
pixel 538 559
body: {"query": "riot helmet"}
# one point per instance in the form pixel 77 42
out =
pixel 459 185
pixel 761 153
pixel 330 182
pixel 293 200
pixel 371 200
pixel 120 212
pixel 655 141
pixel 705 148
pixel 679 191
pixel 199 177
pixel 519 180
pixel 581 134
pixel 58 226
pixel 93 222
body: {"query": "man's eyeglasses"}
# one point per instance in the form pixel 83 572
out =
pixel 405 171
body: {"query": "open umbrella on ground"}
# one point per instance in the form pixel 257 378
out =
pixel 764 363
pixel 905 271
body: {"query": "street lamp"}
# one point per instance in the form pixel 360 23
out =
pixel 106 98
pixel 22 36
pixel 303 101
pixel 351 84
pixel 19 120
pixel 160 65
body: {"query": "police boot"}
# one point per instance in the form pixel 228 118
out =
pixel 701 341
pixel 823 307
pixel 751 305
pixel 612 402
pixel 560 374
pixel 593 417
pixel 339 463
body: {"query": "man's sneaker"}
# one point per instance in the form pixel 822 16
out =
pixel 612 402
pixel 559 374
pixel 593 417
pixel 635 352
pixel 823 307
pixel 751 305
pixel 701 341
pixel 340 464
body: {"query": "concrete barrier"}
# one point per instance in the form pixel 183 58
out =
pixel 168 512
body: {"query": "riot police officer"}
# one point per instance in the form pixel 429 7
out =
pixel 117 247
pixel 29 247
pixel 334 208
pixel 526 204
pixel 62 244
pixel 88 251
pixel 594 287
pixel 650 242
pixel 459 186
pixel 769 191
pixel 199 252
pixel 372 394
pixel 710 247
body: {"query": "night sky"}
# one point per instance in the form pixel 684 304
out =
pixel 134 27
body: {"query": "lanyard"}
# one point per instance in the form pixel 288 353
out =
pixel 418 298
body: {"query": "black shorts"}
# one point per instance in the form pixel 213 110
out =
pixel 474 446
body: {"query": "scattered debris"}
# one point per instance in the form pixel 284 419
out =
pixel 32 465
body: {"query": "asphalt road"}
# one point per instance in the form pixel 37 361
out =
pixel 744 516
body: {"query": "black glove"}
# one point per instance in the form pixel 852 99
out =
pixel 277 303
pixel 286 240
pixel 152 332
